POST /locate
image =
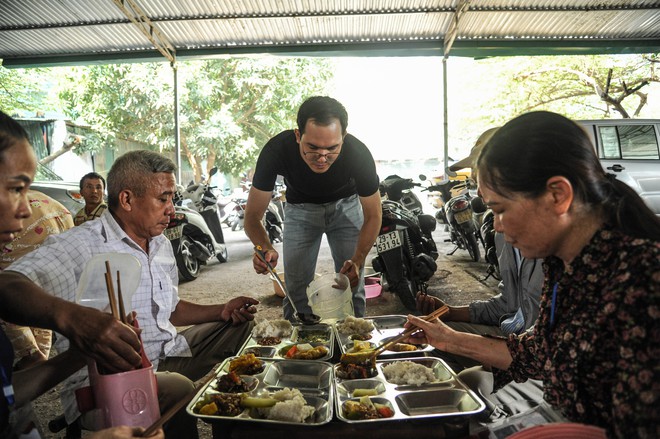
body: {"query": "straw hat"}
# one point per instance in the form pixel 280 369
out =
pixel 468 161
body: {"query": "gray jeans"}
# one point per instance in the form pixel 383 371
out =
pixel 304 226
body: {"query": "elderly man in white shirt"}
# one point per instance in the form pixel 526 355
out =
pixel 141 185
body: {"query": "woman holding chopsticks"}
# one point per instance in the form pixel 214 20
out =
pixel 595 344
pixel 17 168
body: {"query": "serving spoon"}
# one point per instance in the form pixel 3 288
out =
pixel 305 318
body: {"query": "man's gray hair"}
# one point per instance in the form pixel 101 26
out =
pixel 133 171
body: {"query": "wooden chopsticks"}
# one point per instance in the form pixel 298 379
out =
pixel 120 299
pixel 118 312
pixel 444 309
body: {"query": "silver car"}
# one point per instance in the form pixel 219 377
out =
pixel 66 192
pixel 630 149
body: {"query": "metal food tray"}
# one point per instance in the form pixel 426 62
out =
pixel 446 397
pixel 314 379
pixel 386 327
pixel 276 351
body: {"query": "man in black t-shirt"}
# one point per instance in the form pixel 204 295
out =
pixel 332 188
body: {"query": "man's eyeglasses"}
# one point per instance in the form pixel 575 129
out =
pixel 314 156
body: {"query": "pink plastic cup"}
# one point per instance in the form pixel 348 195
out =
pixel 126 398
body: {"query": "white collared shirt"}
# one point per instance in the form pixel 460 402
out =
pixel 57 265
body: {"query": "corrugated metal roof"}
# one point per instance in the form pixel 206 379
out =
pixel 36 32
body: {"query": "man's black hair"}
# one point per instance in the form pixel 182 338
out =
pixel 92 176
pixel 322 109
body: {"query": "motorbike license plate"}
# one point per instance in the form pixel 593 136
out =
pixel 388 241
pixel 463 216
pixel 173 233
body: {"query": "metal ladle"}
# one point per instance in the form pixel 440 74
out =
pixel 305 318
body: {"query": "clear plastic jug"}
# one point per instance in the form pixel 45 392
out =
pixel 330 296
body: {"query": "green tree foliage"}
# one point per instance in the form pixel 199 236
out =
pixel 19 91
pixel 229 107
pixel 581 87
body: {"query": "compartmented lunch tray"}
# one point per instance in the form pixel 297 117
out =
pixel 320 334
pixel 445 396
pixel 314 379
pixel 385 328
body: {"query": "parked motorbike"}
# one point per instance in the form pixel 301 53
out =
pixel 273 219
pixel 487 234
pixel 236 217
pixel 195 229
pixel 458 214
pixel 405 246
pixel 226 206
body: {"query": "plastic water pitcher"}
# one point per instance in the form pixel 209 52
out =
pixel 330 296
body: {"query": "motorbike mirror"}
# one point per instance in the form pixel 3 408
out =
pixel 422 177
pixel 213 171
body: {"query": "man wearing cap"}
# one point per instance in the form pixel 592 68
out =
pixel 515 308
pixel 468 162
pixel 513 311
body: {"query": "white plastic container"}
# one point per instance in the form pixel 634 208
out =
pixel 330 296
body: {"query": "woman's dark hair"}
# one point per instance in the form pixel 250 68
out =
pixel 523 154
pixel 10 133
pixel 322 109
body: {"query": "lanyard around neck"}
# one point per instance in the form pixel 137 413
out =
pixel 7 388
pixel 553 304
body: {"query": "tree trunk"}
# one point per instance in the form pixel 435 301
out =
pixel 193 160
pixel 66 147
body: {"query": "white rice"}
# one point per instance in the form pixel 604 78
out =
pixel 408 372
pixel 355 325
pixel 272 328
pixel 291 407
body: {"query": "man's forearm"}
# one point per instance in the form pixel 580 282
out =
pixel 371 208
pixel 24 303
pixel 366 240
pixel 35 381
pixel 255 231
pixel 254 212
pixel 188 313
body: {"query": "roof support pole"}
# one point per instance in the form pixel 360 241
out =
pixel 450 36
pixel 445 116
pixel 177 131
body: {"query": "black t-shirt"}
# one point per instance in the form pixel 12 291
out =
pixel 353 172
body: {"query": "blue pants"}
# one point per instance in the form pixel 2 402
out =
pixel 304 226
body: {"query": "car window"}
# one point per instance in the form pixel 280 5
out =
pixel 628 142
pixel 45 173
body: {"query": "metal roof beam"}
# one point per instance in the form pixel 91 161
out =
pixel 474 48
pixel 452 31
pixel 148 28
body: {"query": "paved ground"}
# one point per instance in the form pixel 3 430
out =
pixel 457 281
